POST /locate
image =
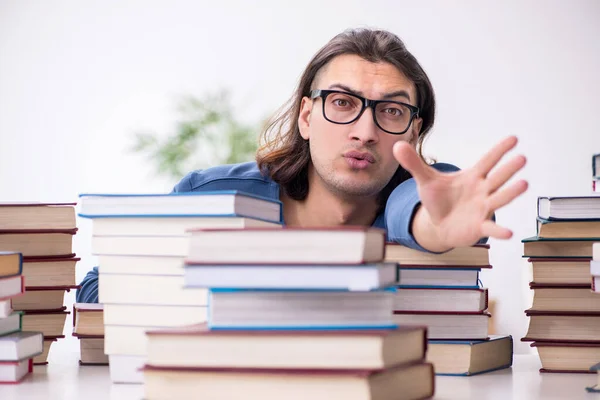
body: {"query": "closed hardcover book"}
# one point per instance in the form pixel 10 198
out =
pixel 569 208
pixel 198 346
pixel 189 204
pixel 300 309
pixel 413 381
pixel 11 264
pixel 470 357
pixel 339 245
pixel 291 276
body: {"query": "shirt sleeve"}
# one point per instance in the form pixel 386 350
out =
pixel 401 208
pixel 89 288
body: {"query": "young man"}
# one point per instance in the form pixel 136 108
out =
pixel 347 151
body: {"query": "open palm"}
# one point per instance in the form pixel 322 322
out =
pixel 459 205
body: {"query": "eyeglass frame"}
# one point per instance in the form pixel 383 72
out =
pixel 366 103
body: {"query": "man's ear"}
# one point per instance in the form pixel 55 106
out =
pixel 416 130
pixel 304 117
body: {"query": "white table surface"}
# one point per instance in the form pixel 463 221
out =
pixel 64 379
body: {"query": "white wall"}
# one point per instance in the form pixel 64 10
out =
pixel 77 78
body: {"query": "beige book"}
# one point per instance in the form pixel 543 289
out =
pixel 34 299
pixel 50 272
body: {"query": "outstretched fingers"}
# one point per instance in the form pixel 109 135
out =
pixel 492 157
pixel 409 160
pixel 500 176
pixel 491 229
pixel 502 197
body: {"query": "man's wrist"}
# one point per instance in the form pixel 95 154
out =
pixel 426 233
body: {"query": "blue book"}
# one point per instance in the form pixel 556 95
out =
pixel 272 309
pixel 470 357
pixel 222 203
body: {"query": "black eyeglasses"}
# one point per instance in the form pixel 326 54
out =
pixel 339 107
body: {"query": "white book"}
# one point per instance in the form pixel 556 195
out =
pixel 147 315
pixel 446 300
pixel 13 372
pixel 287 276
pixel 596 251
pixel 5 308
pixel 156 246
pixel 342 245
pixel 411 277
pixel 19 346
pixel 10 324
pixel 141 265
pixel 148 289
pixel 126 368
pixel 299 309
pixel 448 326
pixel 171 226
pixel 189 204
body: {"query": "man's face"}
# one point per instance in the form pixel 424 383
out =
pixel 355 159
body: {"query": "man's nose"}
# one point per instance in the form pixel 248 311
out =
pixel 364 128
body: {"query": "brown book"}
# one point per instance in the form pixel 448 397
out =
pixel 535 247
pixel 49 322
pixel 27 216
pixel 473 256
pixel 41 298
pixel 39 243
pixel 567 357
pixel 561 270
pixel 562 326
pixel 568 229
pixel 10 263
pixel 575 297
pixel 50 271
pixel 197 346
pixel 404 382
pixel 339 245
pixel 88 319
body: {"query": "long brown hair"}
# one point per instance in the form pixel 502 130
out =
pixel 285 156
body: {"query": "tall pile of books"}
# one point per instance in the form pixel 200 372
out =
pixel 295 314
pixel 43 233
pixel 564 322
pixel 88 328
pixel 141 242
pixel 443 292
pixel 17 347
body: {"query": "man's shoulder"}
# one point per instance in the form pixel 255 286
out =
pixel 244 177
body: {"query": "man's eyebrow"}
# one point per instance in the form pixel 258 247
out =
pixel 387 96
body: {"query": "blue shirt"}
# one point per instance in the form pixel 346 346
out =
pixel 396 218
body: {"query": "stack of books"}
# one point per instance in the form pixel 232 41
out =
pixel 88 327
pixel 43 233
pixel 564 321
pixel 443 292
pixel 294 313
pixel 141 242
pixel 17 348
